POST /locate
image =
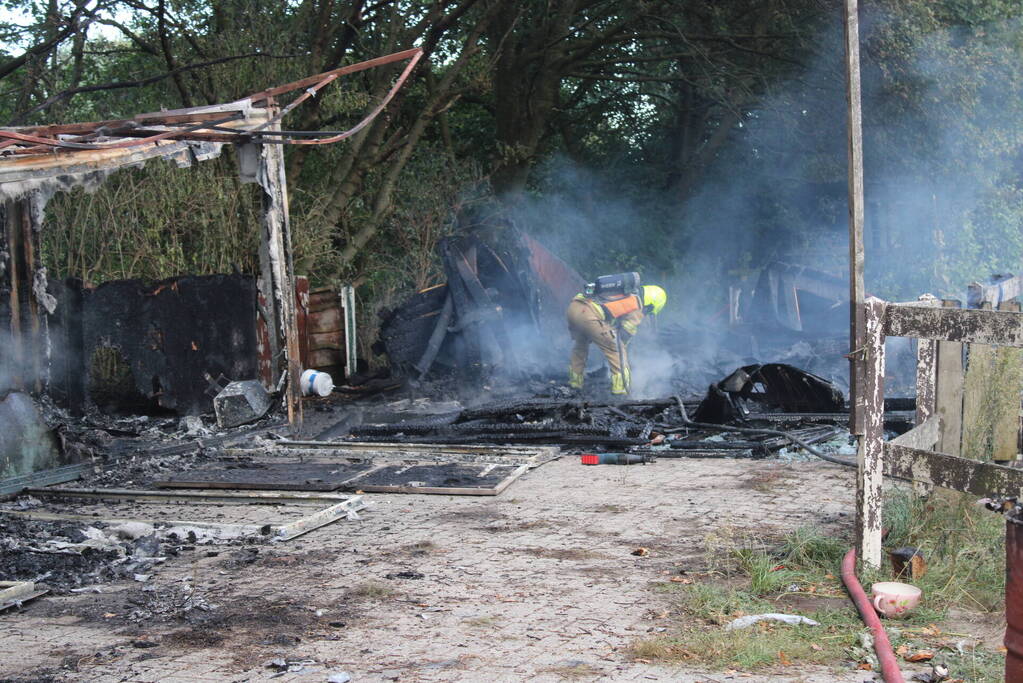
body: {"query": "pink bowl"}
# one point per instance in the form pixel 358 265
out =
pixel 894 599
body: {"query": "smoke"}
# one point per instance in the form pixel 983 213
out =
pixel 943 126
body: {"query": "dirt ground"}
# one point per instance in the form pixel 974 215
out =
pixel 536 584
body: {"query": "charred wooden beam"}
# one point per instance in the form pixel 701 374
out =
pixel 277 274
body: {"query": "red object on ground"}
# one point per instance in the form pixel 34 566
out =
pixel 882 646
pixel 590 459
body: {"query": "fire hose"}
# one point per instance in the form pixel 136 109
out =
pixel 882 646
pixel 769 432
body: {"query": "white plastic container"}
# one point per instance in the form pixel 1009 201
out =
pixel 316 382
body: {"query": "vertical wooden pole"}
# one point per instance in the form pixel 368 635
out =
pixel 348 308
pixel 949 394
pixel 856 287
pixel 276 261
pixel 926 371
pixel 871 448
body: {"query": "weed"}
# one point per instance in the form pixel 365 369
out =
pixel 765 573
pixel 421 547
pixel 372 590
pixel 768 479
pixel 573 670
pixel 962 544
pixel 810 549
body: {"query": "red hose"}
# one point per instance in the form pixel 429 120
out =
pixel 882 646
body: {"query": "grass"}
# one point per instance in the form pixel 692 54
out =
pixel 799 574
pixel 574 671
pixel 372 590
pixel 963 544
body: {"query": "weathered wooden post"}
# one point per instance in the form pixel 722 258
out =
pixel 856 287
pixel 278 270
pixel 866 357
pixel 870 455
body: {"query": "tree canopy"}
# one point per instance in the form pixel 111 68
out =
pixel 694 142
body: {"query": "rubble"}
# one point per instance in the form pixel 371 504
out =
pixel 67 555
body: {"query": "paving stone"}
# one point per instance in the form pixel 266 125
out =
pixel 548 561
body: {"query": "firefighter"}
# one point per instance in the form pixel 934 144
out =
pixel 603 321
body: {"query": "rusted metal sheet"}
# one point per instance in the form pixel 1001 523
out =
pixel 871 448
pixel 559 279
pixel 952 472
pixel 998 328
pixel 1013 599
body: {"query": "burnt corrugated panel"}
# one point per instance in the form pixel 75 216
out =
pixel 150 346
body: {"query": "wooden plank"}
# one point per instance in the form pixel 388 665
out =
pixel 926 377
pixel 324 456
pixel 949 392
pixel 449 490
pixel 857 293
pixel 998 328
pixel 792 305
pixel 346 510
pixel 952 472
pixel 231 530
pixel 15 590
pixel 996 294
pixel 279 476
pixel 419 447
pixel 58 475
pixel 870 453
pixel 923 436
pixel 257 497
pixel 14 593
pixel 983 400
pixel 348 309
pixel 1009 373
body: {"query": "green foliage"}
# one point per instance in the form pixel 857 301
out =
pixel 691 142
pixel 152 223
pixel 962 543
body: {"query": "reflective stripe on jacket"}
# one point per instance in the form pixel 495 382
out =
pixel 614 309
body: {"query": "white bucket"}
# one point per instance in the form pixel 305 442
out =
pixel 315 382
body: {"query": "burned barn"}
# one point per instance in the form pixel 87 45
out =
pixel 200 480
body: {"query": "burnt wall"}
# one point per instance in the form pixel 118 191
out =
pixel 149 347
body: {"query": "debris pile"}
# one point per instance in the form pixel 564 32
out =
pixel 67 555
pixel 497 315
